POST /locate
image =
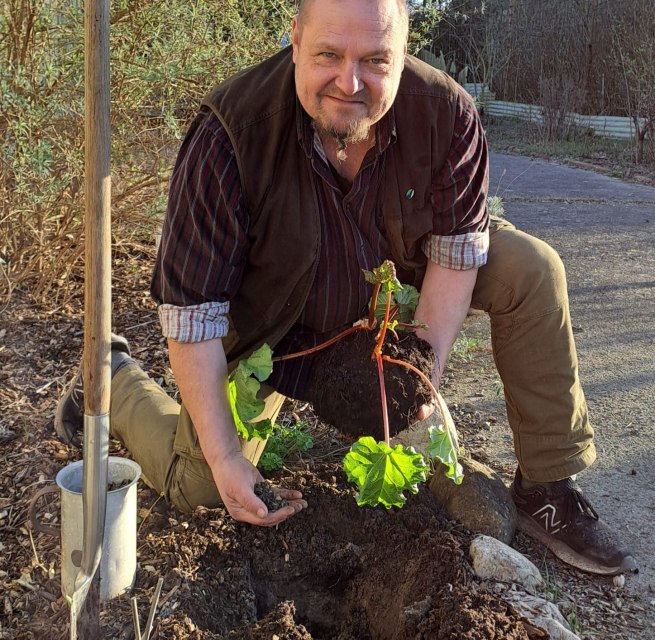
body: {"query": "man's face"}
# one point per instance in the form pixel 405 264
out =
pixel 349 55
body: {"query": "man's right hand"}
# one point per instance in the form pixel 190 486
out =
pixel 236 478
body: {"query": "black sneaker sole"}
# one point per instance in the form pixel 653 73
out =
pixel 571 557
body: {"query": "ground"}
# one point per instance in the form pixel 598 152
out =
pixel 334 571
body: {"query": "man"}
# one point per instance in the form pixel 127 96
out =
pixel 297 173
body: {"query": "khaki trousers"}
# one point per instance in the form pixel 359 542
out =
pixel 522 288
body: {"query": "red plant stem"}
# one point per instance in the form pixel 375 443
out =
pixel 374 304
pixel 406 325
pixel 385 323
pixel 416 371
pixel 383 395
pixel 425 379
pixel 323 345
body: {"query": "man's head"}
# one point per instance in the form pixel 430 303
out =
pixel 349 55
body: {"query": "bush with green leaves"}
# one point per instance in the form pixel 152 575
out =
pixel 164 57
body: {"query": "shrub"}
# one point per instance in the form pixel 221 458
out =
pixel 164 58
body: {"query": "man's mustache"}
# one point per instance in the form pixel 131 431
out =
pixel 360 96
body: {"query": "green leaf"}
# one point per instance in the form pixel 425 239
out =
pixel 260 363
pixel 384 274
pixel 285 439
pixel 382 473
pixel 243 387
pixel 407 300
pixel 441 448
pixel 403 296
pixel 270 461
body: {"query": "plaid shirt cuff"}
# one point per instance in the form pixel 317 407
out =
pixel 195 323
pixel 464 251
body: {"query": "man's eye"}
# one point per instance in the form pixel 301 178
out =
pixel 377 61
pixel 328 54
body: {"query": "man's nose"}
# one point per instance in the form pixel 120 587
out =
pixel 348 80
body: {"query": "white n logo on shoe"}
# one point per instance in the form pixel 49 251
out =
pixel 547 515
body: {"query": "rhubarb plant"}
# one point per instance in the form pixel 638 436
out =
pixel 381 473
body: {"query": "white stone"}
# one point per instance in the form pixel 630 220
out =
pixel 541 613
pixel 494 560
pixel 534 608
pixel 555 630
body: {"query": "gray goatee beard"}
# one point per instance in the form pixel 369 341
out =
pixel 357 132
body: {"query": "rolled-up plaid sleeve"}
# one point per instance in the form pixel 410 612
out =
pixel 460 234
pixel 204 243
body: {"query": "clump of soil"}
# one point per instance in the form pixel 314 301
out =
pixel 264 491
pixel 333 572
pixel 345 389
pixel 118 484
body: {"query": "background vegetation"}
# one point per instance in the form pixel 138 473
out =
pixel 589 56
pixel 164 58
pixel 596 55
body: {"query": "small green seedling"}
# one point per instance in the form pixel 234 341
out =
pixel 284 441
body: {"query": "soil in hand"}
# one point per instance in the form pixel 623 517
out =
pixel 345 390
pixel 264 491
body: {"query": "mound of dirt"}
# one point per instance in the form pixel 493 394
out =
pixel 335 571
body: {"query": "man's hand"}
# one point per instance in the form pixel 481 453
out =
pixel 236 478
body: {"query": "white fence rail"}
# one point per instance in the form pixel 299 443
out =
pixel 606 126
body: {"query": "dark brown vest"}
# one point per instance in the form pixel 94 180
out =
pixel 257 107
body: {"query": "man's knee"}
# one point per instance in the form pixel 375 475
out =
pixel 520 268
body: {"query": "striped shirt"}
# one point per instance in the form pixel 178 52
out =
pixel 205 247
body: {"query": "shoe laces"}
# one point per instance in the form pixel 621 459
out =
pixel 574 501
pixel 77 392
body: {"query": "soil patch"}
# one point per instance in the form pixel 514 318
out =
pixel 345 390
pixel 335 571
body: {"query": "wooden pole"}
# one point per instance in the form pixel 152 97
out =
pixel 97 300
pixel 97 314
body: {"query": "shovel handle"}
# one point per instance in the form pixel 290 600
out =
pixel 37 525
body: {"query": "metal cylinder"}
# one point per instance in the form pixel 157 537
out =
pixel 118 561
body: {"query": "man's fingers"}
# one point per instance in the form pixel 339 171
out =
pixel 287 494
pixel 273 517
pixel 425 411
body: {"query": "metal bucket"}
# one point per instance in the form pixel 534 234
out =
pixel 118 563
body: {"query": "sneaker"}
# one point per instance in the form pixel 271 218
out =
pixel 561 518
pixel 69 416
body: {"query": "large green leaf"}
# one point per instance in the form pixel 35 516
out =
pixel 382 474
pixel 243 387
pixel 441 448
pixel 259 364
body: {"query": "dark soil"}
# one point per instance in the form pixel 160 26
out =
pixel 345 391
pixel 264 491
pixel 334 572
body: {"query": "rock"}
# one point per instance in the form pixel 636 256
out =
pixel 494 560
pixel 482 503
pixel 542 613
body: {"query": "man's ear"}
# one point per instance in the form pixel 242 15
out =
pixel 295 37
